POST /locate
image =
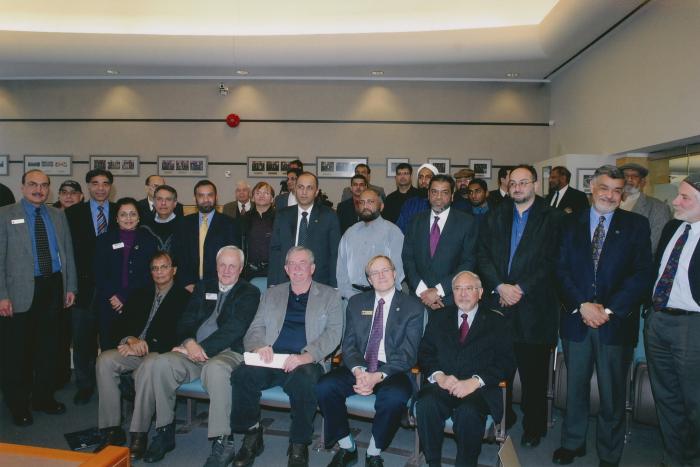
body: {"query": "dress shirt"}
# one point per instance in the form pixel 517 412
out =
pixel 151 206
pixel 291 200
pixel 594 219
pixel 470 319
pixel 158 220
pixel 388 297
pixel 245 205
pixel 516 232
pixel 442 219
pixel 93 209
pixel 630 201
pixel 209 217
pixel 29 210
pixel 299 217
pixel 681 294
pixel 562 192
pixel 503 193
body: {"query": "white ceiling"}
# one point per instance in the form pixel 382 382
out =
pixel 308 39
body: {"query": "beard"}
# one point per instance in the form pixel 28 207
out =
pixel 631 190
pixel 206 208
pixel 368 216
pixel 463 191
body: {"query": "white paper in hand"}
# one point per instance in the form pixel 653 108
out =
pixel 253 359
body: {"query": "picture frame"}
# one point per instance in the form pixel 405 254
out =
pixel 546 172
pixel 123 166
pixel 482 168
pixel 49 164
pixel 275 167
pixel 442 164
pixel 337 167
pixel 5 164
pixel 183 166
pixel 392 162
pixel 583 179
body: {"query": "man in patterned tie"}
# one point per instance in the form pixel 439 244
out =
pixel 383 328
pixel 37 279
pixel 604 271
pixel 673 328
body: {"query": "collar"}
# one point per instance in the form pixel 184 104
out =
pixel 388 297
pixel 164 292
pixel 562 190
pixel 29 207
pixel 300 210
pixel 443 215
pixel 158 220
pixel 225 288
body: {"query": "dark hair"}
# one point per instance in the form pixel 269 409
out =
pixel 503 173
pixel 443 178
pixel 611 171
pixel 24 175
pixel 480 182
pixel 124 201
pixel 527 167
pixel 359 177
pixel 295 171
pixel 297 162
pixel 96 173
pixel 204 182
pixel 148 179
pixel 167 188
pixel 369 171
pixel 561 170
pixel 309 173
pixel 404 165
pixel 163 254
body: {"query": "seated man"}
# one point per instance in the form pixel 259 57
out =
pixel 145 328
pixel 211 333
pixel 464 368
pixel 301 318
pixel 383 328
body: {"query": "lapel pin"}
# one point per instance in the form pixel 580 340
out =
pixel 617 232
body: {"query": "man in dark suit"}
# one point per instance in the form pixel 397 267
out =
pixel 604 272
pixel 145 328
pixel 202 234
pixel 37 279
pixel 500 193
pixel 242 204
pixel 288 198
pixel 314 226
pixel 438 243
pixel 673 327
pixel 147 206
pixel 382 331
pixel 465 353
pixel 87 221
pixel 347 210
pixel 563 196
pixel 517 268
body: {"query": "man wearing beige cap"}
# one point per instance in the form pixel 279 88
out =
pixel 460 199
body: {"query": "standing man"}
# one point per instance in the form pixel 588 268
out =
pixel 69 193
pixel 314 226
pixel 418 203
pixel 517 270
pixel 37 280
pixel 147 206
pixel 404 191
pixel 604 271
pixel 288 198
pixel 379 349
pixel 478 193
pixel 497 195
pixel 87 221
pixel 166 223
pixel 561 195
pixel 439 243
pixel 304 320
pixel 673 327
pixel 348 211
pixel 460 199
pixel 466 352
pixel 365 171
pixel 242 204
pixel 6 196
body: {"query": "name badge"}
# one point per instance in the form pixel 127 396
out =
pixel 116 246
pixel 211 296
pixel 367 312
pixel 17 221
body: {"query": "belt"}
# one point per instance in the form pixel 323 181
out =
pixel 362 288
pixel 678 312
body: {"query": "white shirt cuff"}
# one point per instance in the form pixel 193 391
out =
pixel 481 381
pixel 441 291
pixel 431 378
pixel 421 288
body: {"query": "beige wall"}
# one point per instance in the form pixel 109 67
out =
pixel 349 100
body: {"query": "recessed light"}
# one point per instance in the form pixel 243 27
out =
pixel 377 73
pixel 241 72
pixel 512 75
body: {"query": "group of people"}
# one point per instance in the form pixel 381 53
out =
pixel 500 275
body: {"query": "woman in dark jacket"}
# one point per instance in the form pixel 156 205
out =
pixel 256 226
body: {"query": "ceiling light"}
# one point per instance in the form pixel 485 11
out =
pixel 241 72
pixel 377 73
pixel 512 75
pixel 111 71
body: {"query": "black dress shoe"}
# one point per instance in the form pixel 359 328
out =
pixel 138 445
pixel 111 436
pixel 374 461
pixel 343 458
pixel 49 406
pixel 252 447
pixel 21 416
pixel 565 456
pixel 163 442
pixel 529 440
pixel 83 396
pixel 298 455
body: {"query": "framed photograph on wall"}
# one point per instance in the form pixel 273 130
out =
pixel 337 167
pixel 124 166
pixel 481 168
pixel 182 166
pixel 50 165
pixel 583 179
pixel 546 171
pixel 443 165
pixel 4 165
pixel 268 166
pixel 392 162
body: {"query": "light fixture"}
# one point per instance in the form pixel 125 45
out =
pixel 377 73
pixel 242 72
pixel 111 71
pixel 512 74
pixel 223 89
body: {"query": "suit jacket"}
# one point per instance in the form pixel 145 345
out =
pixel 323 320
pixel 658 214
pixel 231 209
pixel 496 197
pixel 621 284
pixel 17 256
pixel 454 253
pixel 403 332
pixel 693 267
pixel 235 316
pixel 347 193
pixel 162 332
pixel 324 237
pixel 573 200
pixel 222 231
pixel 281 201
pixel 535 317
pixel 146 213
pixel 347 216
pixel 82 231
pixel 486 352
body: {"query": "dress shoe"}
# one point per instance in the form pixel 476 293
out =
pixel 529 440
pixel 344 457
pixel 252 447
pixel 222 452
pixel 111 436
pixel 374 461
pixel 298 455
pixel 138 445
pixel 163 442
pixel 565 456
pixel 603 463
pixel 49 406
pixel 83 396
pixel 21 416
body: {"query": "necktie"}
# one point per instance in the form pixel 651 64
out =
pixel 101 220
pixel 662 291
pixel 41 238
pixel 463 329
pixel 151 315
pixel 303 229
pixel 375 337
pixel 434 236
pixel 597 242
pixel 203 229
pixel 242 209
pixel 555 200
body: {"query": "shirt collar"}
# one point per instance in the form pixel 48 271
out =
pixel 225 288
pixel 29 207
pixel 442 215
pixel 387 298
pixel 164 292
pixel 158 220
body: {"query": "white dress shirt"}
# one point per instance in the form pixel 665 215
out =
pixel 681 296
pixel 300 217
pixel 561 191
pixel 243 205
pixel 442 219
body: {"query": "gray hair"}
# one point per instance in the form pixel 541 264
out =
pixel 294 249
pixel 233 248
pixel 611 171
pixel 473 275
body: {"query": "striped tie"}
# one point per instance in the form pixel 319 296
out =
pixel 41 238
pixel 375 338
pixel 662 291
pixel 101 221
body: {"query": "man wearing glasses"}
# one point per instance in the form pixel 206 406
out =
pixel 516 258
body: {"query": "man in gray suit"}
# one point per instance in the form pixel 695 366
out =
pixel 303 321
pixel 37 279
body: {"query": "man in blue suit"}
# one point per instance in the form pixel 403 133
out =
pixel 604 272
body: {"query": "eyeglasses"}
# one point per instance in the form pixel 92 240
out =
pixel 374 274
pixel 466 288
pixel 520 184
pixel 127 214
pixel 162 267
pixel 34 185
